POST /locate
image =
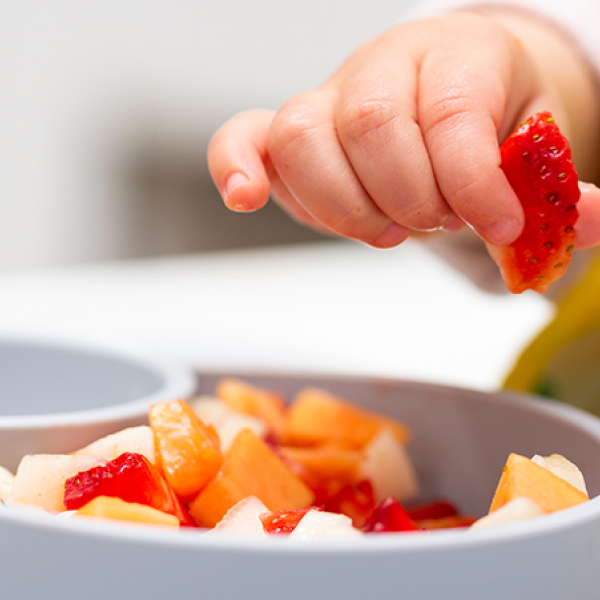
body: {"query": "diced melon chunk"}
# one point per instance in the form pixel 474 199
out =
pixel 188 449
pixel 327 463
pixel 251 400
pixel 522 478
pixel 139 440
pixel 40 478
pixel 250 468
pixel 317 417
pixel 111 507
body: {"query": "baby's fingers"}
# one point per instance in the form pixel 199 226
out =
pixel 236 159
pixel 588 225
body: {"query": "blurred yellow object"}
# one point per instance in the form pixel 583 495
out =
pixel 108 507
pixel 563 361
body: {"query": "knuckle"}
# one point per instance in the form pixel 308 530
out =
pixel 445 113
pixel 292 130
pixel 359 120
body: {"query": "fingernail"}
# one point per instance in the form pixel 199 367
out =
pixel 234 181
pixel 392 235
pixel 502 232
pixel 453 223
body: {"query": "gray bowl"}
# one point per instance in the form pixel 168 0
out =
pixel 56 398
pixel 461 441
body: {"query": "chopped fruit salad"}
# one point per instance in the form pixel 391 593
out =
pixel 246 462
pixel 537 162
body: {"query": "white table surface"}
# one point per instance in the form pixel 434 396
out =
pixel 326 308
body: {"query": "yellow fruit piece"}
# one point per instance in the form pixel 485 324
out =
pixel 108 507
pixel 250 468
pixel 188 449
pixel 318 418
pixel 522 478
pixel 257 402
pixel 577 314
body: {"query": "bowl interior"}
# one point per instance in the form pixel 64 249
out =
pixel 41 379
pixel 461 438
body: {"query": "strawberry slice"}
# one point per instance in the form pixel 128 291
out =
pixel 389 516
pixel 536 159
pixel 131 477
pixel 284 521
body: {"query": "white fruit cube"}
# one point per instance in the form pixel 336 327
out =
pixel 132 439
pixel 243 519
pixel 316 524
pixel 40 478
pixel 389 468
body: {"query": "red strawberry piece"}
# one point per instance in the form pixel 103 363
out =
pixel 284 521
pixel 130 477
pixel 438 509
pixel 389 516
pixel 356 501
pixel 537 161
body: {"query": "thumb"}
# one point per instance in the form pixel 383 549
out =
pixel 588 224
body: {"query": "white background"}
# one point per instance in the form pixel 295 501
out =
pixel 106 108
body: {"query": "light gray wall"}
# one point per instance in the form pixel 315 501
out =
pixel 107 107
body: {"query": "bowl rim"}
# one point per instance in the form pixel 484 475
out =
pixel 180 382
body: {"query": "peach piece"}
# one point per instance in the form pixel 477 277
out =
pixel 111 507
pixel 250 468
pixel 188 449
pixel 522 478
pixel 328 462
pixel 265 404
pixel 317 417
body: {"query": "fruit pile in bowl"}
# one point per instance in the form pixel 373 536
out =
pixel 245 461
pixel 464 450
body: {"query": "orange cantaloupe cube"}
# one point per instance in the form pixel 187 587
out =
pixel 111 507
pixel 342 465
pixel 317 417
pixel 521 477
pixel 250 468
pixel 188 450
pixel 257 402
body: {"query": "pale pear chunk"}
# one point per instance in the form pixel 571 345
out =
pixel 517 509
pixel 316 524
pixel 389 468
pixel 40 479
pixel 563 468
pixel 243 519
pixel 138 439
pixel 227 421
pixel 6 483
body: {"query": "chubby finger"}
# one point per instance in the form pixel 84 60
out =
pixel 588 224
pixel 236 160
pixel 286 200
pixel 376 119
pixel 461 110
pixel 305 151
